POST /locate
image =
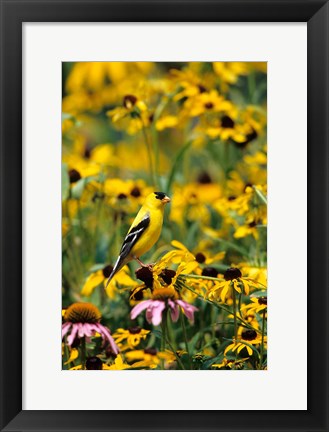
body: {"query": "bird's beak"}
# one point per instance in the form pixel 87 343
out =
pixel 166 199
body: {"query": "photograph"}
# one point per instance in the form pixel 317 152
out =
pixel 164 216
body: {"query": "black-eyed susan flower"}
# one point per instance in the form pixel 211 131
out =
pixel 230 364
pixel 100 276
pixel 257 304
pixel 246 337
pixel 118 364
pixel 82 320
pixel 149 358
pixel 93 363
pixel 130 338
pixel 233 280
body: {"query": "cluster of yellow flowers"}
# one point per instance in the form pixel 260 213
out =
pixel 196 131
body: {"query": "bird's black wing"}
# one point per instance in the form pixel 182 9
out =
pixel 129 242
pixel 133 236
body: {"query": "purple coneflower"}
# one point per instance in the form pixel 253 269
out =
pixel 83 320
pixel 163 298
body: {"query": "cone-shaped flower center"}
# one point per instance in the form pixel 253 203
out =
pixel 249 335
pixel 135 192
pixel 200 258
pixel 151 351
pixel 232 273
pixel 82 313
pixel 145 274
pixel 74 175
pixel 134 330
pixel 210 271
pixel 107 270
pixel 262 300
pixel 167 275
pixel 129 101
pixel 94 363
pixel 165 293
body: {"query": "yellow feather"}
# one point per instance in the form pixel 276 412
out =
pixel 155 209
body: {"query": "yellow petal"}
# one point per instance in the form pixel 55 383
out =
pixel 92 282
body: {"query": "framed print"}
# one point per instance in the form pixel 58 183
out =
pixel 170 155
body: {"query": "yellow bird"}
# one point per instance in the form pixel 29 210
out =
pixel 144 231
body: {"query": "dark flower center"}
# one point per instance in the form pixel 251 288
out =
pixel 145 274
pixel 94 363
pixel 247 185
pixel 135 192
pixel 74 175
pixel 129 101
pixel 82 313
pixel 249 137
pixel 151 351
pixel 122 196
pixel 210 271
pixel 252 224
pixel 231 198
pixel 151 118
pixel 134 330
pixel 232 273
pixel 204 178
pixel 227 122
pixel 262 300
pixel 202 89
pixel 107 270
pixel 249 335
pixel 87 152
pixel 167 275
pixel 200 258
pixel 209 105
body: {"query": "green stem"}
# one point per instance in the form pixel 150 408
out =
pixel 176 355
pixel 260 195
pixel 235 316
pixel 163 334
pixel 83 353
pixel 262 343
pixel 185 339
pixel 191 276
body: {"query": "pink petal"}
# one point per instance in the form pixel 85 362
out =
pixel 187 309
pixel 81 329
pixel 104 331
pixel 174 310
pixel 139 308
pixel 88 329
pixel 156 312
pixel 71 337
pixel 65 328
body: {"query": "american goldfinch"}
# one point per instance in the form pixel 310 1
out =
pixel 144 231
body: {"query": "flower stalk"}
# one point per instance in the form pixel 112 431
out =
pixel 83 353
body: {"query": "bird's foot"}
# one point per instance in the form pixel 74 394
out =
pixel 149 266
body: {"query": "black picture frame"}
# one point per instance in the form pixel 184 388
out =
pixel 13 14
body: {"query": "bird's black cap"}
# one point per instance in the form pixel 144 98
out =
pixel 159 195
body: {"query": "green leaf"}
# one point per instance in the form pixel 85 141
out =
pixel 65 182
pixel 193 342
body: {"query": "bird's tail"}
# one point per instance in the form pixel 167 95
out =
pixel 120 262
